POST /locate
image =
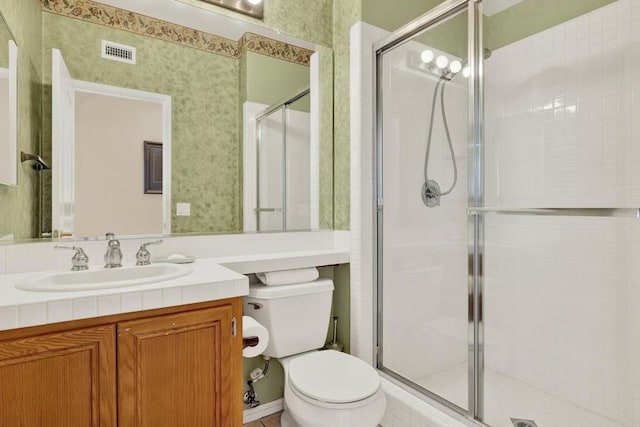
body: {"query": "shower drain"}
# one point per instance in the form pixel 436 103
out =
pixel 517 422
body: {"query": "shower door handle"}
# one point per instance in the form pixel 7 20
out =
pixel 268 209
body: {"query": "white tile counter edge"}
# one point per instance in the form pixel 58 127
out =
pixel 213 278
pixel 207 282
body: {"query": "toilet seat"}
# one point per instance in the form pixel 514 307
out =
pixel 331 378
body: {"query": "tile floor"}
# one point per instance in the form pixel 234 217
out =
pixel 506 397
pixel 270 421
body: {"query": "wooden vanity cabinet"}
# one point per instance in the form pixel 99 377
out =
pixel 169 367
pixel 59 379
pixel 174 370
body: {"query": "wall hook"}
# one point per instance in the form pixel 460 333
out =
pixel 39 164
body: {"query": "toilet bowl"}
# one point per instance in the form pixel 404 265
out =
pixel 329 388
pixel 322 388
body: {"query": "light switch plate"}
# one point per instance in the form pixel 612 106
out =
pixel 183 209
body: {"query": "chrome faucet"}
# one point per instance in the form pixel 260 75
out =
pixel 113 257
pixel 143 257
pixel 79 260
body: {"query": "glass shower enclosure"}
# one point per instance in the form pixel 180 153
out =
pixel 283 165
pixel 507 190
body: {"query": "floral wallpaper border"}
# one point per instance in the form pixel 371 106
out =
pixel 121 19
pixel 274 48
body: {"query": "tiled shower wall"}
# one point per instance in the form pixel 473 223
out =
pixel 425 249
pixel 403 409
pixel 563 293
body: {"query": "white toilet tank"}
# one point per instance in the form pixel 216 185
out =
pixel 296 316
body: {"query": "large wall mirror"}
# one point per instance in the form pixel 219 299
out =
pixel 199 70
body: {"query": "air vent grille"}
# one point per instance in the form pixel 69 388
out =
pixel 118 52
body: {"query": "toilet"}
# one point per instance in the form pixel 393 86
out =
pixel 322 388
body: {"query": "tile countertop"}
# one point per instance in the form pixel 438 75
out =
pixel 211 279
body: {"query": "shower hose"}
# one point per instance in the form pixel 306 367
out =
pixel 440 85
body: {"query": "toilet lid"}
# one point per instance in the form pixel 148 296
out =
pixel 333 377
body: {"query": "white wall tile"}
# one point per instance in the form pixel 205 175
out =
pixel 151 299
pixel 109 304
pixel 15 259
pixel 405 410
pixel 3 258
pixel 171 297
pixel 85 307
pixel 39 256
pixel 8 317
pixel 59 311
pixel 208 292
pixel 32 314
pixel 131 301
pixel 191 294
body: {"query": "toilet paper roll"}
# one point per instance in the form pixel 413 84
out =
pixel 251 328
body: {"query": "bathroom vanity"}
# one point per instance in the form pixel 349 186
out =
pixel 165 353
pixel 164 367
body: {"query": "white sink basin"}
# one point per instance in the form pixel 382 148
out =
pixel 102 278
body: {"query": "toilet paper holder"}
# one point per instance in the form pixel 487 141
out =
pixel 249 342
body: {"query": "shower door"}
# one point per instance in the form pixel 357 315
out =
pixel 284 164
pixel 508 272
pixel 561 300
pixel 427 178
pixel 271 182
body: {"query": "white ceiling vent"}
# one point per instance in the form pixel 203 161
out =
pixel 118 52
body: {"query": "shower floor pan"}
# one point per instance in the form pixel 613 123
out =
pixel 507 398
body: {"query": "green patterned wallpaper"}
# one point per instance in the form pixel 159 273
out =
pixel 16 203
pixel 326 137
pixel 346 13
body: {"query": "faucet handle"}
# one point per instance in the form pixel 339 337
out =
pixel 79 260
pixel 110 235
pixel 143 256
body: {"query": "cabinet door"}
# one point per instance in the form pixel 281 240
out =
pixel 59 379
pixel 178 370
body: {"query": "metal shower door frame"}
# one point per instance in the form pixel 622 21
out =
pixel 283 107
pixel 475 185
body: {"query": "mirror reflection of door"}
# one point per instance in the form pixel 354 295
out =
pixel 8 107
pixel 271 164
pixel 109 165
pixel 286 163
pixel 98 136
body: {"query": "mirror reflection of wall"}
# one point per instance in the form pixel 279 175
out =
pixel 20 202
pixel 207 84
pixel 209 74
